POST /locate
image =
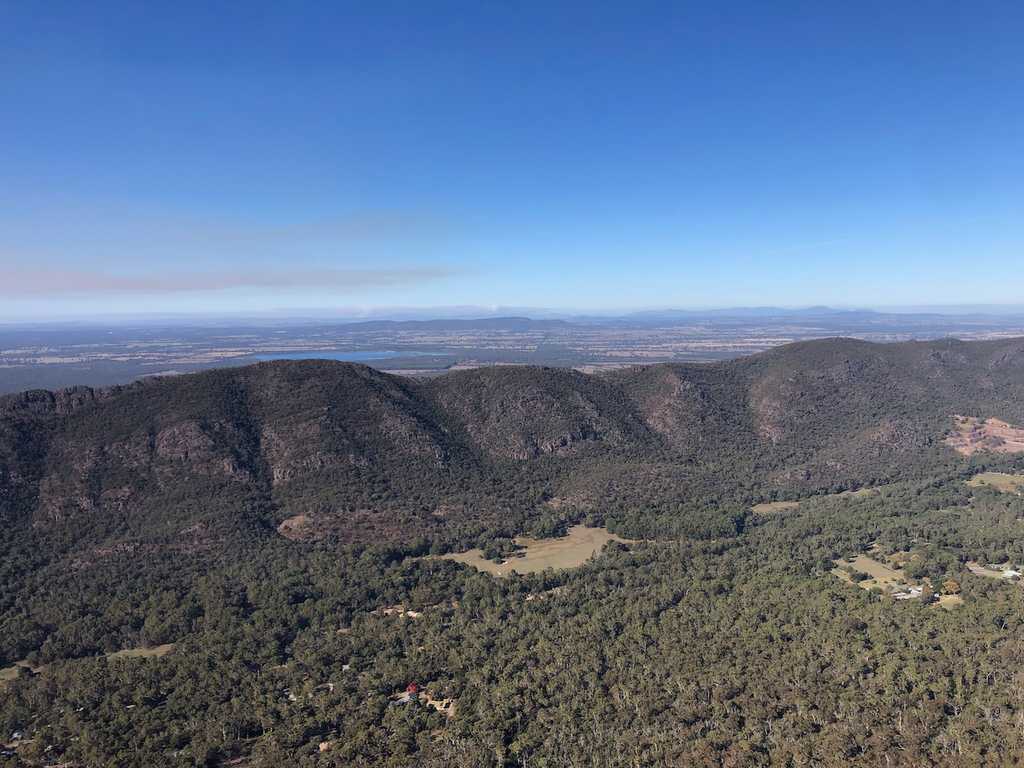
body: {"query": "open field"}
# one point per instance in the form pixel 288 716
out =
pixel 142 653
pixel 881 575
pixel 569 551
pixel 998 480
pixel 771 507
pixel 860 493
pixel 972 435
pixel 774 507
pixel 7 674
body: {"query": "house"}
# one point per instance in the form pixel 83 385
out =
pixel 910 594
pixel 411 693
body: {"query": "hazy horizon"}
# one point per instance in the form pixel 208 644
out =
pixel 356 314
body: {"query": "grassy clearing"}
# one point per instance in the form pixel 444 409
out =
pixel 771 507
pixel 949 602
pixel 569 551
pixel 142 653
pixel 774 507
pixel 998 480
pixel 7 674
pixel 881 575
pixel 860 493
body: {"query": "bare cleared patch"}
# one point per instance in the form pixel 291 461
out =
pixel 994 571
pixel 296 528
pixel 9 674
pixel 972 435
pixel 949 602
pixel 445 706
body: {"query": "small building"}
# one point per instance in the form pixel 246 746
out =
pixel 910 594
pixel 411 693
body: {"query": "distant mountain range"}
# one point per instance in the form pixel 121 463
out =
pixel 477 314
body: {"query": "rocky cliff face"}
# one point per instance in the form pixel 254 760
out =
pixel 521 413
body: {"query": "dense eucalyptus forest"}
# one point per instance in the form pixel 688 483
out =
pixel 280 525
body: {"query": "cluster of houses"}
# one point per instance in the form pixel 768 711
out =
pixel 910 592
pixel 400 611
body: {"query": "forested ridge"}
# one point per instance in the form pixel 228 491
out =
pixel 262 519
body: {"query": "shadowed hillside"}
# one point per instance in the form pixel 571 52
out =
pixel 358 454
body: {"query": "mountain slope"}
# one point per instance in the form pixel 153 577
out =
pixel 168 479
pixel 351 452
pixel 521 413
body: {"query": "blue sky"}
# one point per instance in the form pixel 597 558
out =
pixel 238 157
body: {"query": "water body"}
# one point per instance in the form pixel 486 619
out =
pixel 360 356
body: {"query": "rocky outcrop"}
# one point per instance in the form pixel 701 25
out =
pixel 523 413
